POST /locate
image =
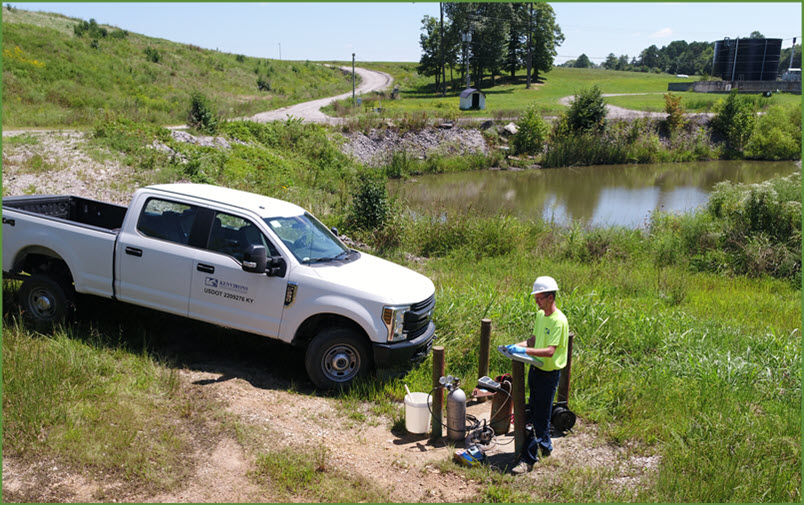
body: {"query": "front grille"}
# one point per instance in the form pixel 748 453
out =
pixel 418 317
pixel 418 307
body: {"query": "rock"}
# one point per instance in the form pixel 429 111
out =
pixel 485 125
pixel 510 129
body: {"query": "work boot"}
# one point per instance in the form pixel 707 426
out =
pixel 545 452
pixel 522 467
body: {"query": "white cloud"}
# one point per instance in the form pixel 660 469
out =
pixel 662 34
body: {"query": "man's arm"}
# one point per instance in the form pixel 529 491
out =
pixel 541 352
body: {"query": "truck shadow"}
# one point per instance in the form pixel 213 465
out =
pixel 180 343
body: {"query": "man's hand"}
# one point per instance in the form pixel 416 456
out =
pixel 513 348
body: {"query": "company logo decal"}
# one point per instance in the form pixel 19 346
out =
pixel 226 289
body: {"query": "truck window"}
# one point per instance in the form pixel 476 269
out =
pixel 232 235
pixel 166 220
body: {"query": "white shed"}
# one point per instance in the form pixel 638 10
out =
pixel 473 99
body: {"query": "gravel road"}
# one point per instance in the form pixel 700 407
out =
pixel 310 111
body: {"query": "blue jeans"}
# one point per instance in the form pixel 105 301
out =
pixel 543 386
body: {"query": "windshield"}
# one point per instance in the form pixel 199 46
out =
pixel 308 239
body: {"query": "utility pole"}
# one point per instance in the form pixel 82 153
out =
pixel 441 51
pixel 530 42
pixel 354 102
pixel 467 38
pixel 280 51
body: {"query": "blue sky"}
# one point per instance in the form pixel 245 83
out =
pixel 390 31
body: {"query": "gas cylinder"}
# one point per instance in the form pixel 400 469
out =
pixel 456 414
pixel 502 406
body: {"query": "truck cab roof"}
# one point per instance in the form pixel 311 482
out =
pixel 263 206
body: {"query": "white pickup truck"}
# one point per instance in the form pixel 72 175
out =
pixel 226 257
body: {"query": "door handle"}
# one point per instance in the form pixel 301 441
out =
pixel 205 268
pixel 133 251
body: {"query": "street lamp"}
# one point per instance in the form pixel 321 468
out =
pixel 467 38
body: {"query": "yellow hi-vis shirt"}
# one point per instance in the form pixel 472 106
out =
pixel 552 330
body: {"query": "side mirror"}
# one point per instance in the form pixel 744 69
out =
pixel 276 266
pixel 255 259
pixel 334 231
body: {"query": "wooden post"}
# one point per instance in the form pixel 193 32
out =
pixel 518 375
pixel 563 382
pixel 438 394
pixel 485 343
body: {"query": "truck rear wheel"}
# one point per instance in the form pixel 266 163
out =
pixel 335 358
pixel 45 301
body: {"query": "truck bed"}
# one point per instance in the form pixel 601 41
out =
pixel 75 209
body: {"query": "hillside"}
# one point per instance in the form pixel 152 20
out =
pixel 54 77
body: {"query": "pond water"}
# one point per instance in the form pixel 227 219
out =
pixel 609 195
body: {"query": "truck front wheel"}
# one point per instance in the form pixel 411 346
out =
pixel 335 358
pixel 45 301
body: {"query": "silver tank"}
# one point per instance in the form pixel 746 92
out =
pixel 456 415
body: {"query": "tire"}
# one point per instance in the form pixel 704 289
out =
pixel 336 357
pixel 45 301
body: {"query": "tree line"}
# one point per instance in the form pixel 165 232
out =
pixel 678 57
pixel 495 39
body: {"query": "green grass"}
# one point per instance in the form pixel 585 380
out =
pixel 509 99
pixel 505 99
pixel 305 474
pixel 80 396
pixel 53 78
pixel 697 102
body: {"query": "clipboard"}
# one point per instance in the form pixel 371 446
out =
pixel 523 358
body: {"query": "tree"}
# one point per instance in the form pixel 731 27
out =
pixel 583 62
pixel 430 40
pixel 784 58
pixel 649 57
pixel 756 35
pixel 546 38
pixel 611 62
pixel 499 37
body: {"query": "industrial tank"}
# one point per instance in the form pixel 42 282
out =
pixel 747 59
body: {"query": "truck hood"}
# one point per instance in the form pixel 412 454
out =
pixel 375 277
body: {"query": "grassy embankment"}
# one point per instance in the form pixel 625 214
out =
pixel 685 348
pixel 55 78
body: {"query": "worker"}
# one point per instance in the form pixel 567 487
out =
pixel 548 343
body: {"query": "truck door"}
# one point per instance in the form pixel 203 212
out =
pixel 155 262
pixel 224 294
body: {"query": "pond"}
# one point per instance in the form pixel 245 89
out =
pixel 598 196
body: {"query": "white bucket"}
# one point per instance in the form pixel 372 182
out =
pixel 417 412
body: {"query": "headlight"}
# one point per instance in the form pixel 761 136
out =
pixel 394 319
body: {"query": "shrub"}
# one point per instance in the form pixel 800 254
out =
pixel 263 84
pixel 201 115
pixel 370 206
pixel 532 133
pixel 735 118
pixel 152 55
pixel 588 110
pixel 777 135
pixel 675 112
pixel 91 29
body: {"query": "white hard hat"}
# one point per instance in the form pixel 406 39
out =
pixel 544 284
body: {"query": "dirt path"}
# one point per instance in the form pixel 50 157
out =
pixel 372 80
pixel 615 112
